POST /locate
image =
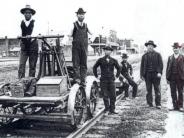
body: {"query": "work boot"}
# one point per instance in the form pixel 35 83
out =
pixel 77 81
pixel 150 105
pixel 158 107
pixel 112 112
pixel 106 110
pixel 181 109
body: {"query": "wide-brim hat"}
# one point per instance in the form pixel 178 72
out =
pixel 150 42
pixel 80 11
pixel 108 48
pixel 27 7
pixel 124 55
pixel 176 45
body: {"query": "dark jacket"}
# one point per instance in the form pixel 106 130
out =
pixel 180 67
pixel 107 68
pixel 126 69
pixel 157 63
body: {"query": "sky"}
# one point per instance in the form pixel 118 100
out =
pixel 141 20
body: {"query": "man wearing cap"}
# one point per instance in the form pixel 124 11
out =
pixel 29 47
pixel 107 85
pixel 175 76
pixel 80 47
pixel 151 71
pixel 127 72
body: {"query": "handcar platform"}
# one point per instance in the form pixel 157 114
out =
pixel 33 99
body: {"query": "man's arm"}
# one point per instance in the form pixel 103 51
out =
pixel 117 68
pixel 142 67
pixel 160 63
pixel 71 31
pixel 97 64
pixel 167 68
pixel 131 69
pixel 89 31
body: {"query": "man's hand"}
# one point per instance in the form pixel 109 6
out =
pixel 116 78
pixel 97 77
pixel 142 78
pixel 28 36
pixel 159 75
pixel 126 81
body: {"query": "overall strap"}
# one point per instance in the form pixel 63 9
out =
pixel 75 24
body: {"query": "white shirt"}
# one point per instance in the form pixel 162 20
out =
pixel 35 29
pixel 176 56
pixel 27 22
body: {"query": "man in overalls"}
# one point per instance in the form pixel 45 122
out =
pixel 80 47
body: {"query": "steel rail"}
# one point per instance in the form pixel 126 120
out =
pixel 88 124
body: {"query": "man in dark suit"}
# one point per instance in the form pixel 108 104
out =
pixel 175 77
pixel 127 72
pixel 107 84
pixel 151 72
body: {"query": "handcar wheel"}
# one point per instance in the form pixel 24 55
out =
pixel 79 113
pixel 93 99
pixel 5 110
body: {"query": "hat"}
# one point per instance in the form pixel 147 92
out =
pixel 108 48
pixel 80 11
pixel 176 45
pixel 124 55
pixel 27 7
pixel 150 42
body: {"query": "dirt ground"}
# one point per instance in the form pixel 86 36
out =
pixel 139 120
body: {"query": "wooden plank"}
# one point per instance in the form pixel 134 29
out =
pixel 63 117
pixel 41 133
pixel 33 99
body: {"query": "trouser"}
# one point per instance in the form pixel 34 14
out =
pixel 33 57
pixel 125 87
pixel 176 86
pixel 151 79
pixel 79 59
pixel 109 94
pixel 133 84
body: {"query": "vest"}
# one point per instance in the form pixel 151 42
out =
pixel 150 62
pixel 80 33
pixel 174 69
pixel 27 30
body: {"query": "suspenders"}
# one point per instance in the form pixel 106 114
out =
pixel 76 25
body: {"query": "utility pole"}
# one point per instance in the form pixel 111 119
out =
pixel 48 28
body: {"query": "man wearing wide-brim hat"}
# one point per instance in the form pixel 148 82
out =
pixel 107 85
pixel 127 72
pixel 80 33
pixel 29 47
pixel 175 76
pixel 151 71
